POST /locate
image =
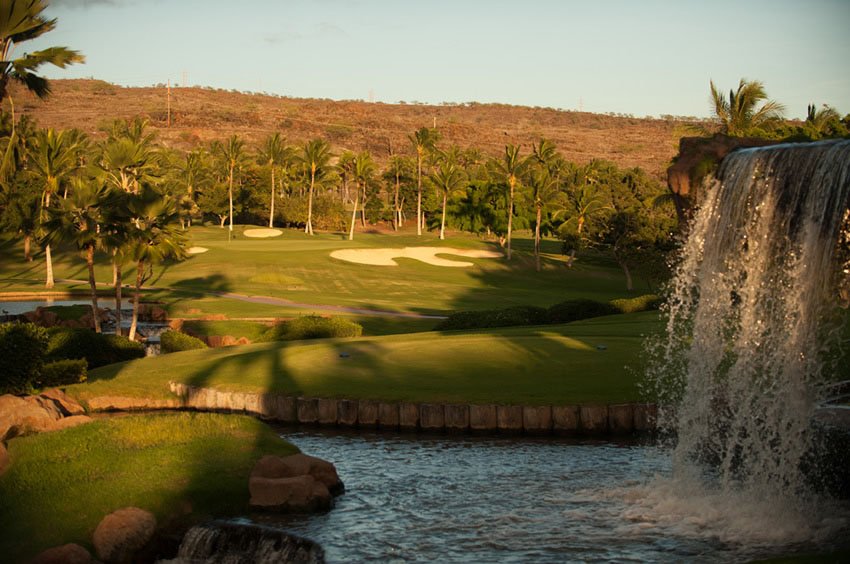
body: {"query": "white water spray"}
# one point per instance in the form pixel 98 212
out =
pixel 749 320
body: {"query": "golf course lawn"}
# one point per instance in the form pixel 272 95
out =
pixel 299 268
pixel 556 364
pixel 181 467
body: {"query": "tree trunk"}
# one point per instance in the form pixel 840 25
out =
pixel 223 218
pixel 572 258
pixel 396 210
pixel 353 217
pixel 271 213
pixel 443 221
pixel 537 238
pixel 93 286
pixel 117 284
pixel 230 198
pixel 363 209
pixel 510 217
pixel 419 195
pixel 137 292
pixel 27 250
pixel 308 229
pixel 628 274
pixel 47 257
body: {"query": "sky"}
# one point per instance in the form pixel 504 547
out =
pixel 638 57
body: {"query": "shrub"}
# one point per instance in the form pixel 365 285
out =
pixel 647 302
pixel 62 373
pixel 575 310
pixel 508 317
pixel 313 327
pixel 98 349
pixel 22 350
pixel 175 341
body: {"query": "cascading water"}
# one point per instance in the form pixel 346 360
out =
pixel 750 318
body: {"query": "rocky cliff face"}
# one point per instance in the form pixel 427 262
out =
pixel 698 158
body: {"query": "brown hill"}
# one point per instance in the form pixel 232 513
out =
pixel 200 115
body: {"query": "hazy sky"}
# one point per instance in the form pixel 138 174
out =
pixel 642 57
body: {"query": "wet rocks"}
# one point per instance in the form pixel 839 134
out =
pixel 294 484
pixel 66 554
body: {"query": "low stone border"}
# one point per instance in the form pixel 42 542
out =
pixel 592 420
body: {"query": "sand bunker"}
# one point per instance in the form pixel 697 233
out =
pixel 196 250
pixel 384 257
pixel 262 233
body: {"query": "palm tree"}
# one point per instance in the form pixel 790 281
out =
pixel 345 166
pixel 424 140
pixel 52 159
pixel 363 171
pixel 545 191
pixel 154 238
pixel 397 169
pixel 586 203
pixel 190 176
pixel 118 228
pixel 508 171
pixel 20 21
pixel 232 153
pixel 274 153
pixel 78 220
pixel 739 115
pixel 820 122
pixel 315 157
pixel 447 178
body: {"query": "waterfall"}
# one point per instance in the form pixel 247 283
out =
pixel 750 319
pixel 232 542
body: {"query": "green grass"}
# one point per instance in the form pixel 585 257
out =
pixel 299 268
pixel 181 467
pixel 557 364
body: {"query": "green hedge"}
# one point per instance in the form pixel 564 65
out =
pixel 22 350
pixel 509 317
pixel 564 312
pixel 98 349
pixel 647 302
pixel 175 341
pixel 62 373
pixel 313 327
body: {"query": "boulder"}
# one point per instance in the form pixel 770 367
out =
pixel 65 554
pixel 20 417
pixel 300 494
pixel 158 314
pixel 47 405
pixel 72 421
pixel 66 405
pixel 275 467
pixel 123 533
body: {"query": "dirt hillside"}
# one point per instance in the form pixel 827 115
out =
pixel 200 115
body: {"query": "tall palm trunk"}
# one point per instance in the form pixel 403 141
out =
pixel 512 183
pixel 93 286
pixel 396 210
pixel 353 216
pixel 117 284
pixel 537 238
pixel 419 194
pixel 230 197
pixel 271 213
pixel 572 258
pixel 308 229
pixel 136 293
pixel 443 222
pixel 47 256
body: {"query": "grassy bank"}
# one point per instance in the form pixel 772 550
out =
pixel 559 364
pixel 180 467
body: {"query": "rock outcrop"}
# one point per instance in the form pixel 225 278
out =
pixel 698 157
pixel 123 533
pixel 49 411
pixel 294 484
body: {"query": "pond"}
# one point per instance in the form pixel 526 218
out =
pixel 19 307
pixel 462 499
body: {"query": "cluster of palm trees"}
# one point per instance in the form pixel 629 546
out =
pixel 92 196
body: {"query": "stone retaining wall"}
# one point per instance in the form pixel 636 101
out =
pixel 595 420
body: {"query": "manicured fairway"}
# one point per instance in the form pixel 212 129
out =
pixel 525 365
pixel 299 268
pixel 180 467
